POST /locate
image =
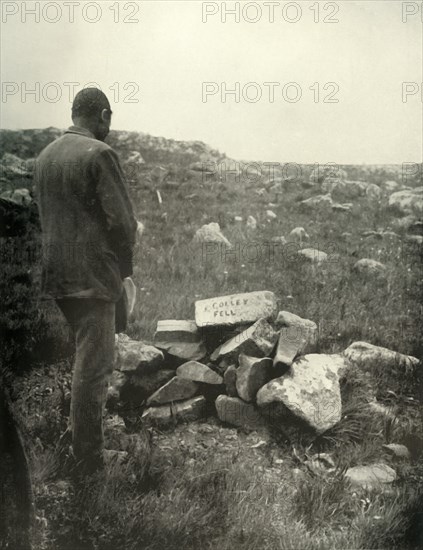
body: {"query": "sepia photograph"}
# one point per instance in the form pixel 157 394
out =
pixel 211 256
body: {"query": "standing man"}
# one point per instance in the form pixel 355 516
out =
pixel 88 230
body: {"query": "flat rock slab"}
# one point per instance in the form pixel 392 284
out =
pixel 366 356
pixel 177 389
pixel 197 372
pixel 173 330
pixel 182 411
pixel 257 341
pixel 236 412
pixel 252 374
pixel 138 388
pixel 188 351
pixel 310 390
pixel 136 356
pixel 370 477
pixel 235 309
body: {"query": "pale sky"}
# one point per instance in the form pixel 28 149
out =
pixel 170 52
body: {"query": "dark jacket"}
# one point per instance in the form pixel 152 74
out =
pixel 87 221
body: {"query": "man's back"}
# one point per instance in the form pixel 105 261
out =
pixel 86 217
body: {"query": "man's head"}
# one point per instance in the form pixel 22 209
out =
pixel 91 110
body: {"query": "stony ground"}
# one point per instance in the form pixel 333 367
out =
pixel 204 484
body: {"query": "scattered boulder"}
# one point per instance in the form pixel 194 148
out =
pixel 370 269
pixel 135 158
pixel 136 356
pixel 229 379
pixel 313 255
pixel 365 356
pixel 197 372
pixel 327 172
pixel 257 341
pixel 235 309
pixel 182 411
pixel 211 233
pixel 238 219
pixel 390 186
pixel 299 235
pixel 270 215
pixel 370 477
pixel 397 450
pixel 236 412
pixel 251 223
pixel 408 201
pixel 252 374
pixel 322 203
pixel 344 190
pixel 279 240
pixel 310 390
pixel 177 389
pixel 373 192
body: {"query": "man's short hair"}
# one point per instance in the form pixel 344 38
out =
pixel 89 103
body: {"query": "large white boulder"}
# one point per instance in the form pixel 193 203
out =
pixel 310 390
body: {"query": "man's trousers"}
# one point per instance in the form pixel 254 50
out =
pixel 93 324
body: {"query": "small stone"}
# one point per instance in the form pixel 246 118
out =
pixel 166 415
pixel 238 219
pixel 298 234
pixel 177 389
pixel 370 477
pixel 252 374
pixel 271 215
pixel 235 309
pixel 229 379
pixel 251 223
pixel 197 372
pixel 258 341
pixel 211 233
pixel 236 412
